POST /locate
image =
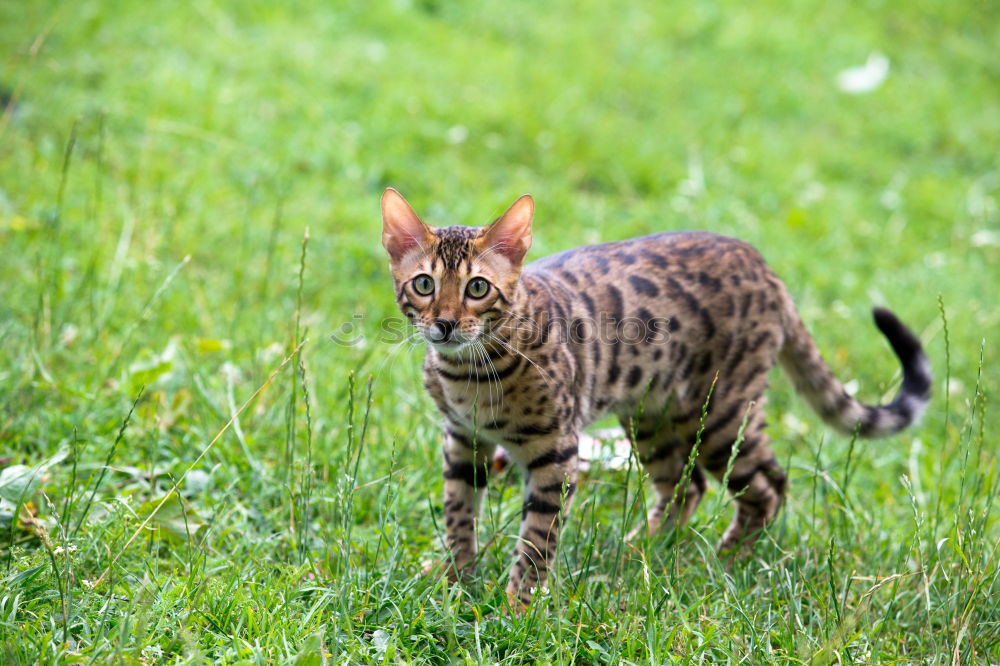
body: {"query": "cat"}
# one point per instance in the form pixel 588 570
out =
pixel 674 333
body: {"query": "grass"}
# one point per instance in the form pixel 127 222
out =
pixel 166 323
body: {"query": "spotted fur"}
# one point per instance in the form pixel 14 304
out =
pixel 454 247
pixel 674 333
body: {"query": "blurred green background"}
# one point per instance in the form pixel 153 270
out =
pixel 160 162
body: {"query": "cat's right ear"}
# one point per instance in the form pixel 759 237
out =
pixel 402 230
pixel 510 235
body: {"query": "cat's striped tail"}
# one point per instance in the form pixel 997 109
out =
pixel 815 381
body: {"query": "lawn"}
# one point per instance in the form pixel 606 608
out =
pixel 199 470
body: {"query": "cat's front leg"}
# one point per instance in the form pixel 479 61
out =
pixel 549 485
pixel 466 470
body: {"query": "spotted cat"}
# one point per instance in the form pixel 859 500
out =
pixel 674 333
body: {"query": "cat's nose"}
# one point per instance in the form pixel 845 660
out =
pixel 442 329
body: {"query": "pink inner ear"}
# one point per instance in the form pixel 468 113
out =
pixel 400 236
pixel 507 239
pixel 399 242
pixel 511 234
pixel 511 246
pixel 402 230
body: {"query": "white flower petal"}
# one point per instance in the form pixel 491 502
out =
pixel 866 77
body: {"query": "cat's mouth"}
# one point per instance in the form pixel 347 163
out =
pixel 447 339
pixel 452 346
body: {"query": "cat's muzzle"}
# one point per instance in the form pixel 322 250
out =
pixel 442 330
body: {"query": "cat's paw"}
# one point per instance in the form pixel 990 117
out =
pixel 649 528
pixel 520 595
pixel 432 567
pixel 501 461
pixel 637 534
pixel 517 604
pixel 735 547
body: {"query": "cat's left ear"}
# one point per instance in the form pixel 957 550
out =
pixel 510 235
pixel 402 230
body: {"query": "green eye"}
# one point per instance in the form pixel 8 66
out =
pixel 423 285
pixel 477 288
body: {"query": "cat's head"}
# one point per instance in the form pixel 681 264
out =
pixel 454 283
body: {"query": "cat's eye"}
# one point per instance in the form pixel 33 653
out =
pixel 423 285
pixel 477 288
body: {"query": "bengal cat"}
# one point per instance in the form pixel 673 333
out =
pixel 653 330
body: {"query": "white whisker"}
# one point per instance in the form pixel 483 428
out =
pixel 513 350
pixel 392 354
pixel 487 366
pixel 496 375
pixel 487 251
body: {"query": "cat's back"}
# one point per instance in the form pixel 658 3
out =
pixel 701 257
pixel 668 311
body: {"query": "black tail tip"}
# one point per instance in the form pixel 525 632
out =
pixel 916 369
pixel 903 341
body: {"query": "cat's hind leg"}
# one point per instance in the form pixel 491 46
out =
pixel 755 478
pixel 678 487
